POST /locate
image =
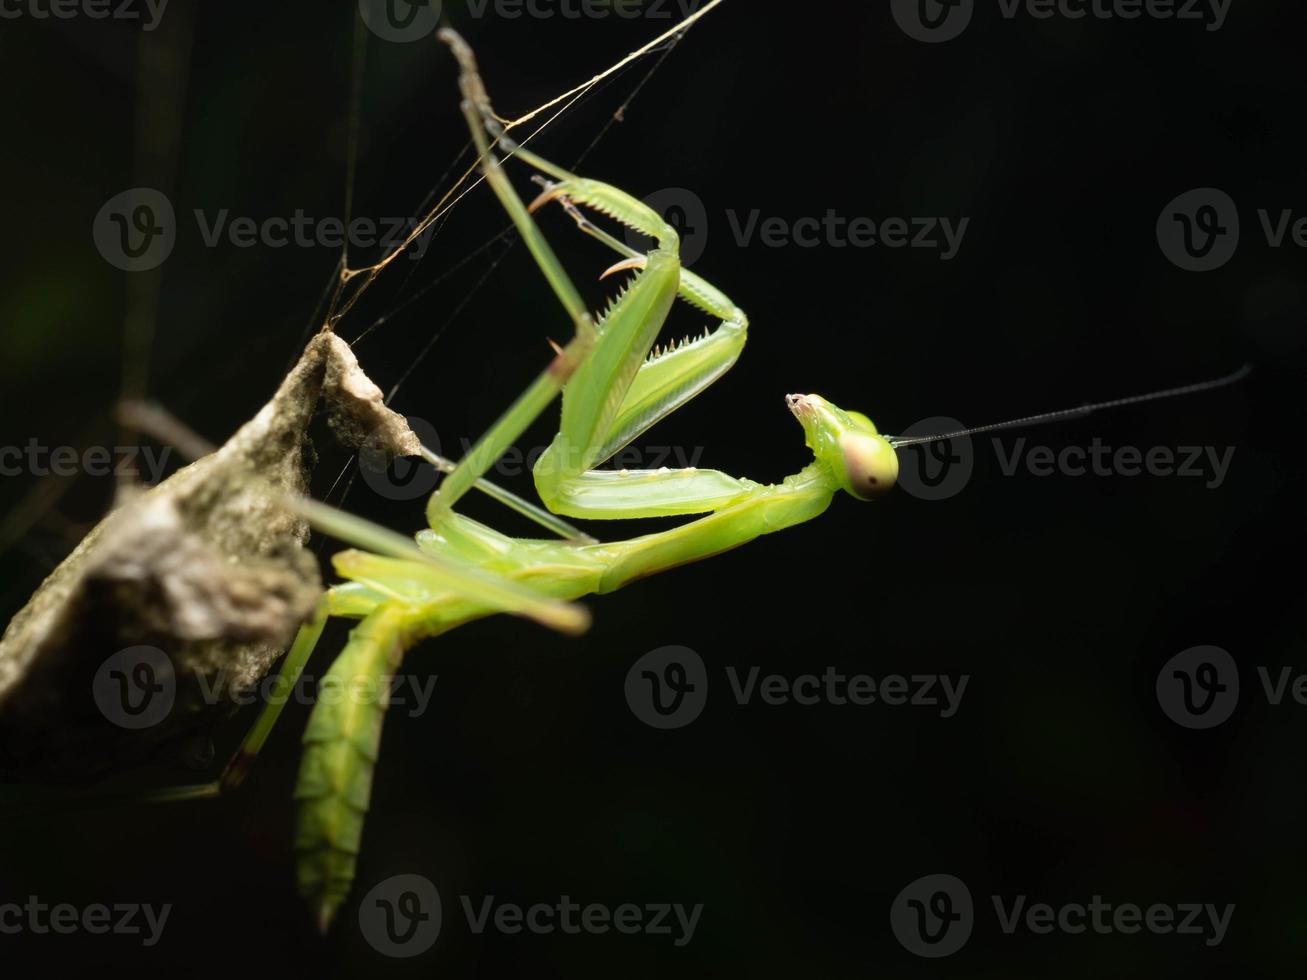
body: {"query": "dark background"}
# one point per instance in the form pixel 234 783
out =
pixel 1060 778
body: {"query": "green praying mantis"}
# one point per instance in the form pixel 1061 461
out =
pixel 614 386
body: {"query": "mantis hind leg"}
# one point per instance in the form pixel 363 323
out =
pixel 238 766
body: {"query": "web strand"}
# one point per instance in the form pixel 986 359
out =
pixel 344 301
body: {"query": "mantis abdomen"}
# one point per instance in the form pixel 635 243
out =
pixel 340 751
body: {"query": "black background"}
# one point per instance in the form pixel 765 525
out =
pixel 1060 778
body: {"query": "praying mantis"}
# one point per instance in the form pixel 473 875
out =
pixel 614 385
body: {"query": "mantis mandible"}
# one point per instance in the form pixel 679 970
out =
pixel 614 385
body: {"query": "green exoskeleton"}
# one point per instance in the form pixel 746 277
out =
pixel 614 386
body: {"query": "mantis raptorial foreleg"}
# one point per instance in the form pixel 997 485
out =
pixel 592 430
pixel 614 394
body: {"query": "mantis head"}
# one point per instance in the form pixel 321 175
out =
pixel 861 459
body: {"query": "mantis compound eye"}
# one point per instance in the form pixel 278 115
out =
pixel 870 464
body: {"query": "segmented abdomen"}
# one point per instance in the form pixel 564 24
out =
pixel 340 752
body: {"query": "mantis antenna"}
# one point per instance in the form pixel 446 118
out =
pixel 899 442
